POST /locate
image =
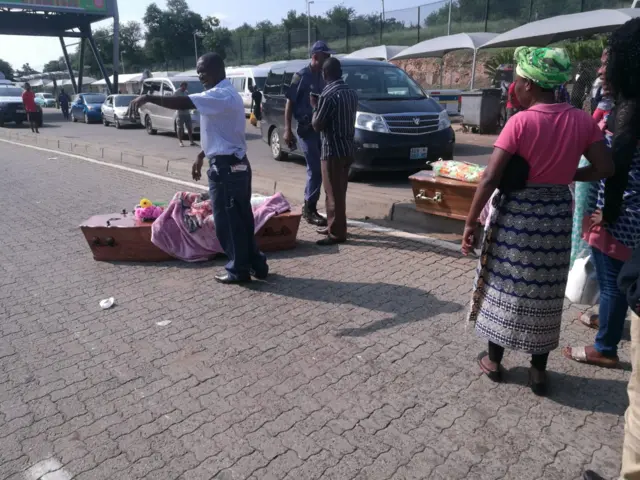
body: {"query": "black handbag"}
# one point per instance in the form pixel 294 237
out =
pixel 515 175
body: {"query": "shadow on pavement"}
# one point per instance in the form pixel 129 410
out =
pixel 583 393
pixel 406 304
pixel 365 240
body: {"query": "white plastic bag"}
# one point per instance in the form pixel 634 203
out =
pixel 582 284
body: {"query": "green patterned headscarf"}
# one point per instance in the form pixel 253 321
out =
pixel 546 67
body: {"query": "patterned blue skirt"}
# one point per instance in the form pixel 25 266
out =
pixel 522 273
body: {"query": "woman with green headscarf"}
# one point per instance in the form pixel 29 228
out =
pixel 519 291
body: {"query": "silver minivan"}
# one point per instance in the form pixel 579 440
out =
pixel 159 119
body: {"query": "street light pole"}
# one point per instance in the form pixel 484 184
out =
pixel 309 2
pixel 449 22
pixel 195 43
pixel 383 19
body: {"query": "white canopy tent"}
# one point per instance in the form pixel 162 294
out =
pixel 562 27
pixel 381 52
pixel 438 47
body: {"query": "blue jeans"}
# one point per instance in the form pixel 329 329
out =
pixel 613 304
pixel 230 190
pixel 310 146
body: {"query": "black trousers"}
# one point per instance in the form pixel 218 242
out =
pixel 539 361
pixel 230 190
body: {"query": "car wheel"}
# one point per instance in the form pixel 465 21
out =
pixel 118 125
pixel 149 126
pixel 352 175
pixel 73 118
pixel 276 146
pixel 18 122
pixel 105 122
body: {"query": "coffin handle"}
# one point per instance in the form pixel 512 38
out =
pixel 437 198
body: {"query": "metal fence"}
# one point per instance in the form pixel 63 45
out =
pixel 404 27
pixel 397 27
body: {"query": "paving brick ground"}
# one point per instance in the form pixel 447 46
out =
pixel 350 363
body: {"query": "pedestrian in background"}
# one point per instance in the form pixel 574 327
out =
pixel 334 118
pixel 612 226
pixel 256 102
pixel 63 100
pixel 307 81
pixel 513 105
pixel 184 117
pixel 223 123
pixel 518 295
pixel 29 101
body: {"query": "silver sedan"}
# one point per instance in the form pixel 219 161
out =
pixel 114 111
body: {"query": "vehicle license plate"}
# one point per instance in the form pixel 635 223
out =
pixel 419 153
pixel 20 111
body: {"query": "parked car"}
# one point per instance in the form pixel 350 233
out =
pixel 115 109
pixel 46 100
pixel 398 127
pixel 87 107
pixel 159 119
pixel 242 78
pixel 12 107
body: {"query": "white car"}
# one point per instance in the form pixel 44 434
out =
pixel 46 100
pixel 159 119
pixel 115 109
pixel 243 78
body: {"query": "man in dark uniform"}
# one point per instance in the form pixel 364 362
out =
pixel 305 83
pixel 222 135
pixel 256 102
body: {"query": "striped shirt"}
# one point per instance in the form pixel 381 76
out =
pixel 337 107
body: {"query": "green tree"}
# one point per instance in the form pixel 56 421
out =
pixel 6 69
pixel 219 41
pixel 25 70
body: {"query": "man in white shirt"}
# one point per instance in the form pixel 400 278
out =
pixel 222 132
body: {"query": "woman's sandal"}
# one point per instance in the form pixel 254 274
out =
pixel 494 375
pixel 579 354
pixel 590 320
pixel 539 387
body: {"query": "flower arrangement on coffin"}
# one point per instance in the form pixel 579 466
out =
pixel 148 211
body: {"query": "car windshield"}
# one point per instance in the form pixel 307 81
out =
pixel 123 100
pixel 47 95
pixel 192 86
pixel 373 82
pixel 10 92
pixel 260 81
pixel 94 98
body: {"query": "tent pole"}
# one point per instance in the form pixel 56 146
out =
pixel 473 67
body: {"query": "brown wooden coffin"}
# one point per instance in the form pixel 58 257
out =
pixel 279 233
pixel 121 237
pixel 442 196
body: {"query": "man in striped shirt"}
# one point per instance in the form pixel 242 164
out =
pixel 334 116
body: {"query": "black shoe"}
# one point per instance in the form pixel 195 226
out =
pixel 311 215
pixel 260 276
pixel 328 241
pixel 538 385
pixel 591 475
pixel 227 279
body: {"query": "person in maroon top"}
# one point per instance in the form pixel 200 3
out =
pixel 513 105
pixel 29 100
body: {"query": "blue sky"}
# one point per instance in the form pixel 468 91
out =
pixel 37 51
